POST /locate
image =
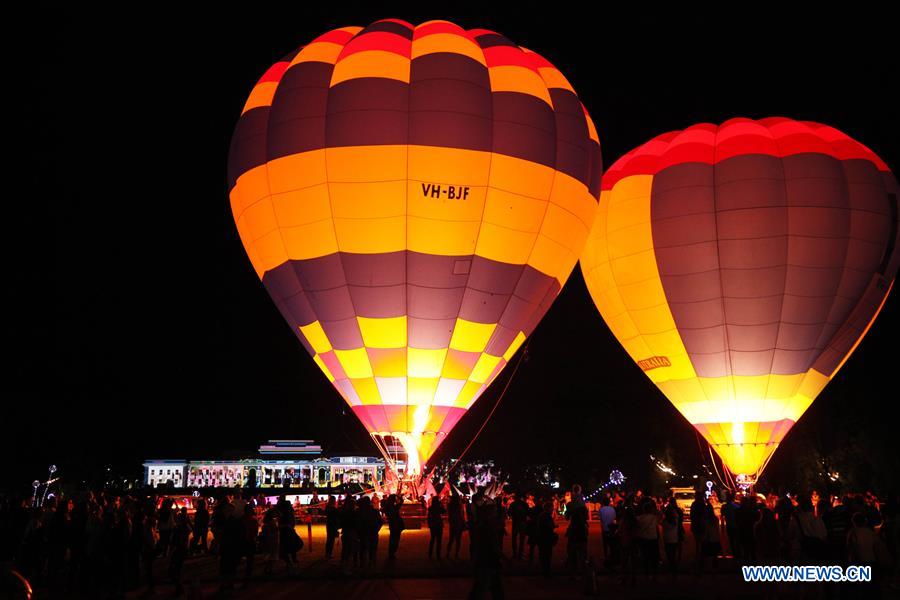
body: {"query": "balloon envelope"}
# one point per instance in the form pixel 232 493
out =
pixel 413 198
pixel 740 265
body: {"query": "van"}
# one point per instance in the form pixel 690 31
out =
pixel 684 497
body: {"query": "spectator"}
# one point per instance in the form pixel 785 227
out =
pixel 861 542
pixel 332 525
pixel 607 528
pixel 370 524
pixel 673 535
pixel 250 530
pixel 577 532
pixel 534 514
pixel 729 515
pixel 837 525
pixel 349 535
pixel 288 541
pixel 201 528
pixel 149 548
pixel 178 543
pixel 166 525
pixel 628 544
pixel 784 511
pixel 766 537
pixel 268 542
pixel 546 538
pixel 812 533
pixel 518 514
pixel 746 516
pixel 391 509
pixel 457 521
pixel 486 551
pixel 698 525
pixel 711 546
pixel 648 521
pixel 435 526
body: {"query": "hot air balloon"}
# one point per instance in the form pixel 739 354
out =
pixel 740 265
pixel 413 198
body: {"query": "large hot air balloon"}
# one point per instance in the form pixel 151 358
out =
pixel 413 198
pixel 740 265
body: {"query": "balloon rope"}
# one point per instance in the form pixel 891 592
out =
pixel 491 414
pixel 699 447
pixel 712 457
pixel 385 452
pixel 765 464
pixel 700 450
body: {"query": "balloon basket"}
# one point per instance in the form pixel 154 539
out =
pixel 744 483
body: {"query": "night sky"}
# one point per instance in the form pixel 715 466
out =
pixel 139 329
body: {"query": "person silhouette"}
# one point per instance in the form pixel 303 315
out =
pixel 435 526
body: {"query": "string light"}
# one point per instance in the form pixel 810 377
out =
pixel 663 467
pixel 50 479
pixel 616 478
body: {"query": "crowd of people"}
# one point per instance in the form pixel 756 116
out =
pixel 105 544
pixel 108 544
pixel 751 529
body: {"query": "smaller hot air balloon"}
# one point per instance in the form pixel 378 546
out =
pixel 740 265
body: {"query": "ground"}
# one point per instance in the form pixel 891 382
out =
pixel 414 576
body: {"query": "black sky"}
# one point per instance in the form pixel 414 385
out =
pixel 138 328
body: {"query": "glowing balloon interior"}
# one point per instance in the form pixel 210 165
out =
pixel 740 265
pixel 413 198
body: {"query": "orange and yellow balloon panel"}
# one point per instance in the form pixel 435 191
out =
pixel 740 265
pixel 413 198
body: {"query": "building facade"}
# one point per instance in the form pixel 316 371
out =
pixel 160 472
pixel 281 462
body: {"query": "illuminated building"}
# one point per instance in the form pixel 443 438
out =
pixel 293 462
